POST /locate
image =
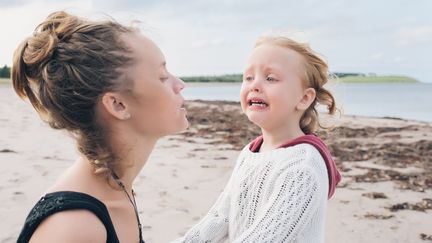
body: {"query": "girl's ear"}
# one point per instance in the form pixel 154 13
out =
pixel 114 104
pixel 309 95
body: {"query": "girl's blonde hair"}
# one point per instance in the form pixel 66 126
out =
pixel 64 68
pixel 316 75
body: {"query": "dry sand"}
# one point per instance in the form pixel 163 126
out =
pixel 385 195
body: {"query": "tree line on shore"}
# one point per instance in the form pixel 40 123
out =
pixel 5 72
pixel 232 78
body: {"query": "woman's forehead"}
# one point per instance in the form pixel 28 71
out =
pixel 145 50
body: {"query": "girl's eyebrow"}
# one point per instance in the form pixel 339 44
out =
pixel 248 69
pixel 276 69
pixel 265 68
pixel 271 68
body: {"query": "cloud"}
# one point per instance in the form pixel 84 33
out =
pixel 216 36
pixel 378 55
pixel 398 59
pixel 413 35
pixel 11 4
pixel 209 42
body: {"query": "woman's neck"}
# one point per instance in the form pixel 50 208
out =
pixel 132 158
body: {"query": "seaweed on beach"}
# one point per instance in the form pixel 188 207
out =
pixel 424 236
pixel 378 216
pixel 219 125
pixel 375 195
pixel 422 206
pixel 222 123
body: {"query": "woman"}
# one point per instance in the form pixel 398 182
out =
pixel 108 86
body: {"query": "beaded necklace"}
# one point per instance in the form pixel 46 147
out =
pixel 132 201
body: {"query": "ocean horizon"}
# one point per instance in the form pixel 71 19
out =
pixel 411 101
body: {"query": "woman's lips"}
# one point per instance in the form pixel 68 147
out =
pixel 182 108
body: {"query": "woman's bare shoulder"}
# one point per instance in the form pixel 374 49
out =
pixel 70 226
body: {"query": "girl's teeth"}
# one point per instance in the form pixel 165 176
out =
pixel 258 104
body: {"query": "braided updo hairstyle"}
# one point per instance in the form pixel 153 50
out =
pixel 315 76
pixel 64 68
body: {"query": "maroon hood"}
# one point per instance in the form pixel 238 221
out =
pixel 333 173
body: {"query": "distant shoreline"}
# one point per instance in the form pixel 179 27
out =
pixel 378 79
pixel 237 78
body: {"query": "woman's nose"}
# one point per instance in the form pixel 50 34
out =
pixel 179 84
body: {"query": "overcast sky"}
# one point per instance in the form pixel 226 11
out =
pixel 211 37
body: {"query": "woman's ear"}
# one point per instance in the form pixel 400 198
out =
pixel 309 95
pixel 114 104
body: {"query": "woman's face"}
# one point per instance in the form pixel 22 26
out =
pixel 154 102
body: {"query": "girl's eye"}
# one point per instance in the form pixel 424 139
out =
pixel 270 79
pixel 163 79
pixel 248 78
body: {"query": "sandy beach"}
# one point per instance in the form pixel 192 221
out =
pixel 386 164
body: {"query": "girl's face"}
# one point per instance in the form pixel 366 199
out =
pixel 154 102
pixel 272 87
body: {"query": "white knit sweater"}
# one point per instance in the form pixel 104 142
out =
pixel 272 196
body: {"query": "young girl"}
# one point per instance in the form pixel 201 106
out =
pixel 280 185
pixel 108 85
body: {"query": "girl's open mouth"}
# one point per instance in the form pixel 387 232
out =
pixel 256 102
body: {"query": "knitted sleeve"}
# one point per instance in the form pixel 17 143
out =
pixel 292 203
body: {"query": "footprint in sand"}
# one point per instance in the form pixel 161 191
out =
pixel 14 180
pixel 146 227
pixel 40 169
pixel 184 210
pixel 199 149
pixel 10 239
pixel 18 196
pixel 7 151
pixel 208 166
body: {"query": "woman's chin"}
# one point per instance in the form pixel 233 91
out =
pixel 185 126
pixel 182 126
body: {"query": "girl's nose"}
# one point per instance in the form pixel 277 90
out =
pixel 255 89
pixel 255 86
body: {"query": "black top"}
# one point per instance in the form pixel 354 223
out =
pixel 56 202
